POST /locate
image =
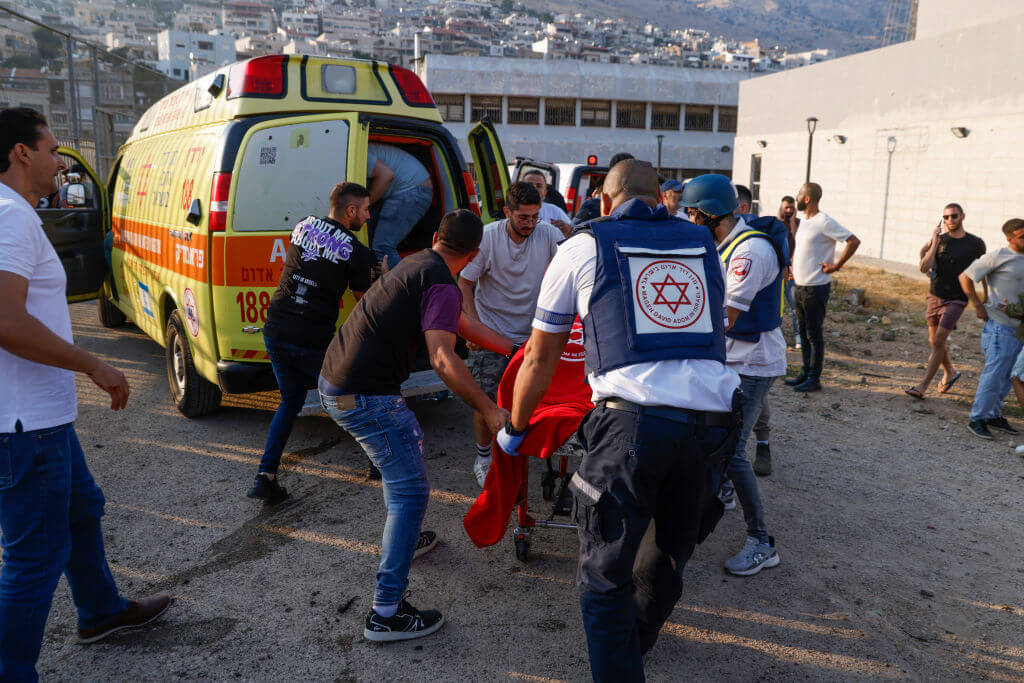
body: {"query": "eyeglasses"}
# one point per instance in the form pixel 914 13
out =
pixel 524 218
pixel 951 217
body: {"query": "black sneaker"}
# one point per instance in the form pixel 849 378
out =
pixel 426 543
pixel 979 429
pixel 407 623
pixel 763 460
pixel 793 381
pixel 808 385
pixel 267 490
pixel 1001 424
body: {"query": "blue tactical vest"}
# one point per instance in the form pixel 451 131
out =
pixel 765 312
pixel 658 291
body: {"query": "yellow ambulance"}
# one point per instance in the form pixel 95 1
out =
pixel 203 196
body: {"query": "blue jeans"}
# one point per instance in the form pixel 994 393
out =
pixel 398 216
pixel 1001 349
pixel 644 497
pixel 50 511
pixel 297 370
pixel 788 291
pixel 389 433
pixel 741 474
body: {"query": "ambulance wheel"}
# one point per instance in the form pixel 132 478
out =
pixel 522 549
pixel 110 315
pixel 192 394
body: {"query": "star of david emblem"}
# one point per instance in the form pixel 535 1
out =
pixel 673 304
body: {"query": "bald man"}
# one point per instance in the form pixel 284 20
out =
pixel 663 425
pixel 814 261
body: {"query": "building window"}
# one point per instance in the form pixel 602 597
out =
pixel 700 117
pixel 727 119
pixel 665 116
pixel 205 45
pixel 631 115
pixel 452 107
pixel 558 112
pixel 596 114
pixel 755 183
pixel 485 105
pixel 524 110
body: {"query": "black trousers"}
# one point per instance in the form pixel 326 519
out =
pixel 644 497
pixel 811 303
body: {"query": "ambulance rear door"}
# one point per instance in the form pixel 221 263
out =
pixel 491 170
pixel 74 218
pixel 284 170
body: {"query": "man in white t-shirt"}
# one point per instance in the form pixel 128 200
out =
pixel 507 273
pixel 50 507
pixel 754 345
pixel 663 421
pixel 549 213
pixel 814 261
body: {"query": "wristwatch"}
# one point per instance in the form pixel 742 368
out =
pixel 512 431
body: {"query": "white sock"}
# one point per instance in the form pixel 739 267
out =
pixel 386 611
pixel 483 451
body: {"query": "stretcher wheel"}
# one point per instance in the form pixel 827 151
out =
pixel 522 549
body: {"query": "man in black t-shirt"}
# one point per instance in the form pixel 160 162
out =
pixel 413 306
pixel 944 257
pixel 324 260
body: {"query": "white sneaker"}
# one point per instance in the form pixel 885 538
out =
pixel 480 468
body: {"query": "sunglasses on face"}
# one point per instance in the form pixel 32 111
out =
pixel 951 217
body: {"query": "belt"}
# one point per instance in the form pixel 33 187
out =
pixel 682 415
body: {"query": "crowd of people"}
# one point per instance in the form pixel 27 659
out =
pixel 679 289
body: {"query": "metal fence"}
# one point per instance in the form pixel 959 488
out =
pixel 90 96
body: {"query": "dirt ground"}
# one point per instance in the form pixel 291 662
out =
pixel 899 532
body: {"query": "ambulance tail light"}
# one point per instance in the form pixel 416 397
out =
pixel 258 77
pixel 474 201
pixel 219 193
pixel 411 87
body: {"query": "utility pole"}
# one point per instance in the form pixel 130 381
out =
pixel 812 123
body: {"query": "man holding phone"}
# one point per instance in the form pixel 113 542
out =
pixel 948 253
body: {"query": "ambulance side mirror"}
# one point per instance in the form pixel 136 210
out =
pixel 216 86
pixel 195 212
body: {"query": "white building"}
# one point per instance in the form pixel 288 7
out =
pixel 185 55
pixel 301 23
pixel 241 18
pixel 566 110
pixel 901 131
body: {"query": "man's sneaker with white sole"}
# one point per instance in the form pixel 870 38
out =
pixel 407 623
pixel 753 557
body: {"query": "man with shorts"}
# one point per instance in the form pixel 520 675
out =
pixel 506 274
pixel 414 306
pixel 944 257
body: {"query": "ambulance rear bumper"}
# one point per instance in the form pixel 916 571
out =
pixel 239 377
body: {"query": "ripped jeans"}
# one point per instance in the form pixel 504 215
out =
pixel 389 433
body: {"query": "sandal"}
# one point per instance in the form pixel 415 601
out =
pixel 943 388
pixel 912 392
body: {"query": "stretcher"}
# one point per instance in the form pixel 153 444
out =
pixel 554 488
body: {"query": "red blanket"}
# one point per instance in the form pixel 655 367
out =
pixel 559 414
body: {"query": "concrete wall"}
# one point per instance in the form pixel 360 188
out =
pixel 584 80
pixel 935 17
pixel 900 163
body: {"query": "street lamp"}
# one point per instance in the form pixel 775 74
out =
pixel 812 123
pixel 660 138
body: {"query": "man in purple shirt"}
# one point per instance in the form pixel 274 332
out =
pixel 414 306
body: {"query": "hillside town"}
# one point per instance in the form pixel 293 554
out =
pixel 185 41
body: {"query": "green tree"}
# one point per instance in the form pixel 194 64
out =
pixel 507 6
pixel 48 44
